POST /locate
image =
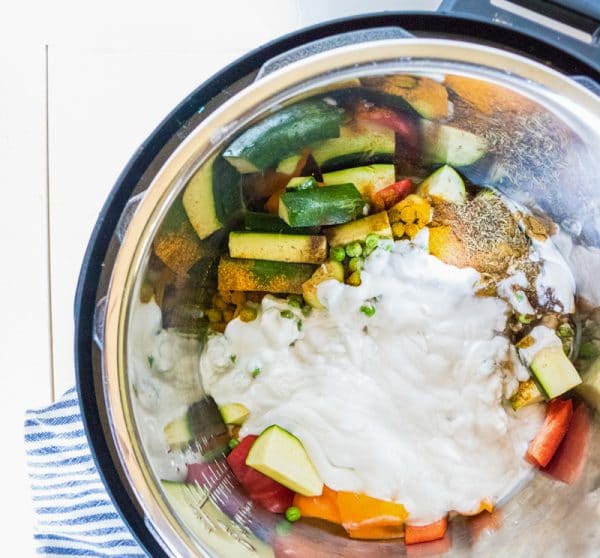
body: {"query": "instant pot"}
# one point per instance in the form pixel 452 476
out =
pixel 466 38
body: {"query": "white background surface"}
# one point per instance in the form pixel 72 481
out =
pixel 81 86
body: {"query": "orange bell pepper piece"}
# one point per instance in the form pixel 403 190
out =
pixel 320 507
pixel 426 533
pixel 360 510
pixel 373 532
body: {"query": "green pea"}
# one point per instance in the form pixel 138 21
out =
pixel 292 514
pixel 368 310
pixel 372 241
pixel 354 249
pixel 233 443
pixel 287 314
pixel 355 264
pixel 337 253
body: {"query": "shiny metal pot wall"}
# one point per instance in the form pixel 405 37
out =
pixel 542 518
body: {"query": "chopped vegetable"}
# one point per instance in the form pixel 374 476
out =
pixel 288 314
pixel 289 129
pixel 279 455
pixel 320 507
pixel 360 510
pixel 263 490
pixel 409 216
pixel 299 248
pixel 356 264
pixel 321 206
pixel 444 184
pixel 368 179
pixel 302 183
pixel 527 394
pixel 554 371
pixel 392 194
pixel 354 279
pixel 234 442
pixel 375 226
pixel 353 250
pixel 256 372
pixel 556 423
pixel 425 533
pixel 368 310
pixel 234 413
pixel 248 314
pixel 568 462
pixel 337 253
pixel 376 532
pixel 262 275
pixel 402 124
pixel 371 241
pixel 292 514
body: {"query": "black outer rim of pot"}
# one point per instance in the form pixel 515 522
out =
pixel 467 28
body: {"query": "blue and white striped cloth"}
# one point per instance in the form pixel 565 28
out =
pixel 74 514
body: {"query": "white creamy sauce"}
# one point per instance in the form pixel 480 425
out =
pixel 163 371
pixel 511 290
pixel 555 278
pixel 405 405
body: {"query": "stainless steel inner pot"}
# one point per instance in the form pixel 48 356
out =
pixel 543 518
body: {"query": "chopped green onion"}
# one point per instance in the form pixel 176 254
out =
pixel 299 325
pixel 368 311
pixel 520 296
pixel 233 443
pixel 372 241
pixel 232 358
pixel 354 249
pixel 306 310
pixel 525 319
pixel 287 314
pixel 256 372
pixel 150 360
pixel 292 514
pixel 355 264
pixel 295 301
pixel 337 253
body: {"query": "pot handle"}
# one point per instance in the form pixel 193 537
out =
pixel 576 23
pixel 329 43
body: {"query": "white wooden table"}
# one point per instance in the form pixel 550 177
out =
pixel 81 86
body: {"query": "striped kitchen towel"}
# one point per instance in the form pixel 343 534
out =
pixel 74 514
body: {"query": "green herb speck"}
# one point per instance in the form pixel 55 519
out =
pixel 368 311
pixel 256 372
pixel 287 314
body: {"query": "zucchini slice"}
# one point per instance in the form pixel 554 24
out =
pixel 444 144
pixel 445 184
pixel 201 428
pixel 378 224
pixel 281 456
pixel 213 196
pixel 357 144
pixel 282 133
pixel 262 275
pixel 367 179
pixel 554 371
pixel 300 248
pixel 322 206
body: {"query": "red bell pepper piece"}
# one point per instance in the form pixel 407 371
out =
pixel 266 492
pixel 401 124
pixel 392 194
pixel 570 457
pixel 544 445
